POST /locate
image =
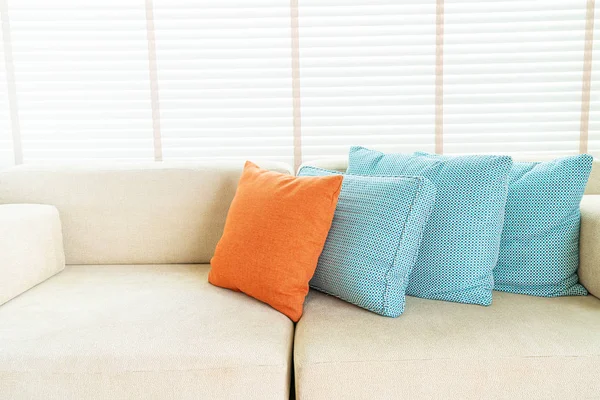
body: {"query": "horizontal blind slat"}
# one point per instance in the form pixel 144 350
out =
pixel 521 86
pixel 367 75
pixel 512 77
pixel 6 141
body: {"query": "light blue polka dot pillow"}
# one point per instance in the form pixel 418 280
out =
pixel 539 252
pixel 462 238
pixel 374 239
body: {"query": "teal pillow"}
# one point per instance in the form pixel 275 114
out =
pixel 462 238
pixel 539 251
pixel 374 239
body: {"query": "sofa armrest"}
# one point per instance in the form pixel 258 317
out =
pixel 31 247
pixel 589 244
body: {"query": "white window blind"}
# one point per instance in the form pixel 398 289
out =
pixel 367 73
pixel 594 117
pixel 225 79
pixel 294 80
pixel 81 70
pixel 513 76
pixel 6 146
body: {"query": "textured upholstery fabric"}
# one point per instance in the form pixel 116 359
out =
pixel 539 250
pixel 593 185
pixel 141 332
pixel 333 164
pixel 462 238
pixel 374 240
pixel 589 244
pixel 521 347
pixel 275 230
pixel 589 252
pixel 144 214
pixel 31 247
pixel 341 164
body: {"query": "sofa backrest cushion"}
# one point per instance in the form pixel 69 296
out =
pixel 153 213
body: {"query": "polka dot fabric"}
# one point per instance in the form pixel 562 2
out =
pixel 462 238
pixel 539 251
pixel 374 239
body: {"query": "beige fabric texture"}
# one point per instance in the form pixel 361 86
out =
pixel 141 332
pixel 589 244
pixel 155 213
pixel 31 247
pixel 521 347
pixel 335 164
pixel 593 185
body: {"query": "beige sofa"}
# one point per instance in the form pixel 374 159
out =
pixel 133 317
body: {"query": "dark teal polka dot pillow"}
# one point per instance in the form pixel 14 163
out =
pixel 462 238
pixel 539 251
pixel 374 239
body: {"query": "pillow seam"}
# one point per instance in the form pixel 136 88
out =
pixel 402 237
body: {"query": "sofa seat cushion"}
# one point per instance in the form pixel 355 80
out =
pixel 520 347
pixel 141 331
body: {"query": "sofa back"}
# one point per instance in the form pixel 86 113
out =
pixel 340 164
pixel 593 185
pixel 155 213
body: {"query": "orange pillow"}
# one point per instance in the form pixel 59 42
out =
pixel 274 233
